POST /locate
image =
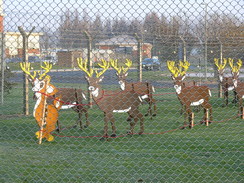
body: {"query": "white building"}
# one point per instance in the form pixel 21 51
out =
pixel 14 44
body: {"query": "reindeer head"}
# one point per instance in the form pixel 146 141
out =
pixel 93 82
pixel 178 73
pixel 38 81
pixel 220 67
pixel 121 71
pixel 235 70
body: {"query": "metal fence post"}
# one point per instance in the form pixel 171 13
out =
pixel 139 57
pixel 2 67
pixel 184 48
pixel 89 40
pixel 25 37
pixel 221 61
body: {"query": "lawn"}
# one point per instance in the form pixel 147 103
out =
pixel 200 154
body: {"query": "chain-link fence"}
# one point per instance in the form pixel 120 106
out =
pixel 121 91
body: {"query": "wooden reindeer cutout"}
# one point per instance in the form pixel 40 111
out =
pixel 226 82
pixel 235 69
pixel 178 74
pixel 191 95
pixel 144 89
pixel 46 115
pixel 125 101
pixel 72 98
pixel 239 86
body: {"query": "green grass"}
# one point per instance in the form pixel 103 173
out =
pixel 202 154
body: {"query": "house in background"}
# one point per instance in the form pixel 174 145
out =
pixel 68 58
pixel 14 44
pixel 125 44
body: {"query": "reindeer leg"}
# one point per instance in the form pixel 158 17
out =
pixel 149 108
pixel 132 123
pixel 140 116
pixel 185 115
pixel 235 97
pixel 188 114
pixel 80 118
pixel 58 129
pixel 226 95
pixel 210 113
pixel 129 118
pixel 105 129
pixel 113 126
pixel 240 106
pixel 86 114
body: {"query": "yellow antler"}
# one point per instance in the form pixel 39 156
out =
pixel 83 66
pixel 185 65
pixel 26 69
pixel 114 64
pixel 219 65
pixel 47 67
pixel 128 63
pixel 235 68
pixel 104 66
pixel 239 63
pixel 174 70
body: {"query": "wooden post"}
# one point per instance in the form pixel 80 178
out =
pixel 207 117
pixel 192 120
pixel 25 37
pixel 44 111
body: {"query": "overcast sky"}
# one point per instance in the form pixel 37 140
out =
pixel 47 12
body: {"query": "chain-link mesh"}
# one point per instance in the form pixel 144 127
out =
pixel 121 91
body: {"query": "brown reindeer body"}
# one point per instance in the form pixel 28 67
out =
pixel 184 84
pixel 189 95
pixel 72 98
pixel 125 101
pixel 227 82
pixel 194 96
pixel 144 89
pixel 239 88
pixel 227 86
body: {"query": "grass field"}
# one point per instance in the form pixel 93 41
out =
pixel 200 154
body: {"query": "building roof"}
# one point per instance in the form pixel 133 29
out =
pixel 120 40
